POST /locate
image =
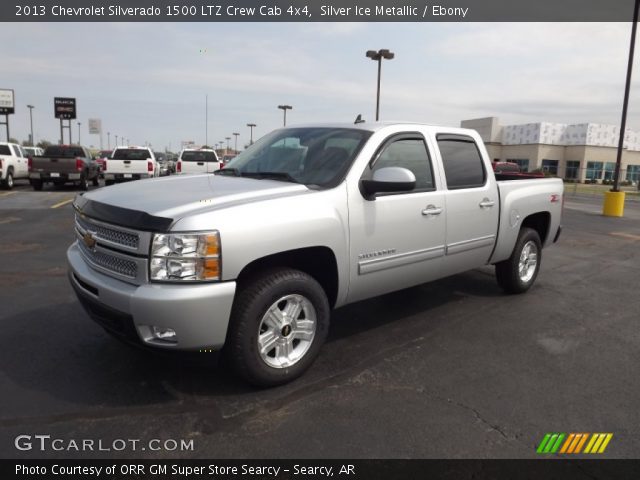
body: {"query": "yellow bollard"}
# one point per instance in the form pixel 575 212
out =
pixel 613 205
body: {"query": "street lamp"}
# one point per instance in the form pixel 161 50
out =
pixel 378 56
pixel 284 109
pixel 31 107
pixel 116 140
pixel 235 134
pixel 79 142
pixel 251 125
pixel 108 140
pixel 227 138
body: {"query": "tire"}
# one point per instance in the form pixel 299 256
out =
pixel 84 183
pixel 518 274
pixel 37 185
pixel 108 183
pixel 8 181
pixel 291 344
pixel 96 181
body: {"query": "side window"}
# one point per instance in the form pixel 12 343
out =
pixel 463 165
pixel 17 151
pixel 412 154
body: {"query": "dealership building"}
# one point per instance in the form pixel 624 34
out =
pixel 583 152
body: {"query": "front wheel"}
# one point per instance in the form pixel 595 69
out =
pixel 8 181
pixel 519 272
pixel 279 322
pixel 96 181
pixel 84 183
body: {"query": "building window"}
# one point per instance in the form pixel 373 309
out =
pixel 523 163
pixel 550 166
pixel 594 171
pixel 571 172
pixel 609 168
pixel 633 173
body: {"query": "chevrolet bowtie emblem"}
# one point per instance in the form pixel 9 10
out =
pixel 89 241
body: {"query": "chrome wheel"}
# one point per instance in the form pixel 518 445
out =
pixel 528 261
pixel 286 331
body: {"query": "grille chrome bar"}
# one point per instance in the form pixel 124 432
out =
pixel 114 236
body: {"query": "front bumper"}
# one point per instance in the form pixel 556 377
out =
pixel 198 313
pixel 125 177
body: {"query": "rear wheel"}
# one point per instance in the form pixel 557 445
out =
pixel 279 322
pixel 8 181
pixel 96 181
pixel 108 182
pixel 519 272
pixel 37 185
pixel 84 182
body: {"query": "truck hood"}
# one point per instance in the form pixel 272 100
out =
pixel 172 198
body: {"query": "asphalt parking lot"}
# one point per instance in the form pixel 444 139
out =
pixel 451 369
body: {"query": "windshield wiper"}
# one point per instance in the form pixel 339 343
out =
pixel 270 175
pixel 228 171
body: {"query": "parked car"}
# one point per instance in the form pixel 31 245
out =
pixel 163 164
pixel 251 260
pixel 201 160
pixel 61 164
pixel 101 158
pixel 13 164
pixel 130 163
pixel 33 151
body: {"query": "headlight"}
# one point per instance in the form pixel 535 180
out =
pixel 185 257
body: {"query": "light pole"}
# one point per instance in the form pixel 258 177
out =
pixel 79 142
pixel 235 134
pixel 108 140
pixel 116 140
pixel 251 126
pixel 284 108
pixel 378 56
pixel 227 139
pixel 31 107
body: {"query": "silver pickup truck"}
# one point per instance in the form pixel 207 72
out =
pixel 251 259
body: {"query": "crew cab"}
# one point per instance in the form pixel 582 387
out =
pixel 13 164
pixel 130 163
pixel 250 260
pixel 61 164
pixel 202 160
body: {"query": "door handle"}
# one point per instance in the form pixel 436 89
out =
pixel 486 203
pixel 432 210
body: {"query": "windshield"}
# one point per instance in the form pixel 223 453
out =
pixel 198 156
pixel 131 154
pixel 313 156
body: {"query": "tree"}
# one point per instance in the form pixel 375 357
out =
pixel 44 143
pixel 13 140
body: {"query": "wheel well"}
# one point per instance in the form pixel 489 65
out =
pixel 319 262
pixel 540 223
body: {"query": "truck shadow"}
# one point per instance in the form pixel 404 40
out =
pixel 57 360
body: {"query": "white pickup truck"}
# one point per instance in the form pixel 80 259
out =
pixel 250 260
pixel 130 163
pixel 201 160
pixel 14 163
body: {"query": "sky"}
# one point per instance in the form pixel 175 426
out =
pixel 148 82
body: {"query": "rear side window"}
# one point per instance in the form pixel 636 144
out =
pixel 198 156
pixel 5 150
pixel 463 165
pixel 131 154
pixel 65 152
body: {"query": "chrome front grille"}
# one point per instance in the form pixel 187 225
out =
pixel 110 262
pixel 110 235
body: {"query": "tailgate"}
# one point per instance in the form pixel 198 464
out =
pixel 53 165
pixel 127 166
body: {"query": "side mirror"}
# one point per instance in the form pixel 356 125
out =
pixel 388 179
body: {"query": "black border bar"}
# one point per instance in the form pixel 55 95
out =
pixel 317 11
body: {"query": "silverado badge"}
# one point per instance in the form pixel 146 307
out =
pixel 89 241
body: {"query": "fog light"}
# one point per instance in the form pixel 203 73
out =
pixel 164 334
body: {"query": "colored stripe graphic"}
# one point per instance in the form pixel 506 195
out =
pixel 572 443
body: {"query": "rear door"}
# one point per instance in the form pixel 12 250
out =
pixel 21 162
pixel 472 203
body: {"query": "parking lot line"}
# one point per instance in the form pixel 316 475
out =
pixel 9 220
pixel 629 236
pixel 60 204
pixel 5 194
